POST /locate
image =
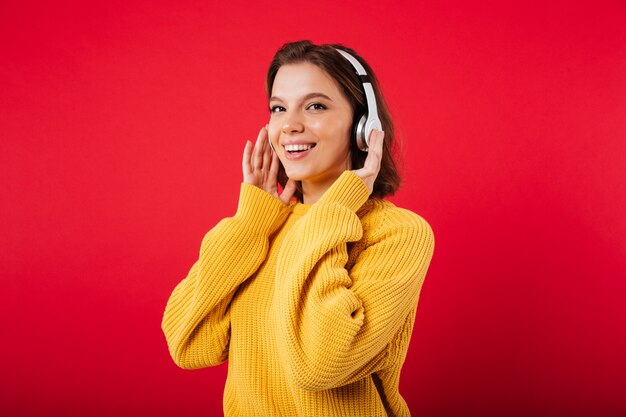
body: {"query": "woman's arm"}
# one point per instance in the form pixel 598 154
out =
pixel 196 321
pixel 334 324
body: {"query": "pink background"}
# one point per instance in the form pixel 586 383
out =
pixel 121 130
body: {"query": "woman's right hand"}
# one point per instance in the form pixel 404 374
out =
pixel 260 168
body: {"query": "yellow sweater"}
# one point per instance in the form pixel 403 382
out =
pixel 312 305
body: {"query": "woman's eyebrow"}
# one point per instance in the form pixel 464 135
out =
pixel 307 97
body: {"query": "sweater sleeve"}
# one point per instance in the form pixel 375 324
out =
pixel 335 324
pixel 196 322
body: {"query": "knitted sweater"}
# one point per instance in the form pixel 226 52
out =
pixel 312 305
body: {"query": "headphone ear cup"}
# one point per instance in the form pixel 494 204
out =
pixel 359 133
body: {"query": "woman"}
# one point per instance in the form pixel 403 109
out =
pixel 311 302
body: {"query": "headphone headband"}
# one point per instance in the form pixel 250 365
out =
pixel 369 121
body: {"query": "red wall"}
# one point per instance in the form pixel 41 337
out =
pixel 121 130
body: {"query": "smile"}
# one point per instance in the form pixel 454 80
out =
pixel 299 148
pixel 294 152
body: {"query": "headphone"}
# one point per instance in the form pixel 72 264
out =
pixel 368 121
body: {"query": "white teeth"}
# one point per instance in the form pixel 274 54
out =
pixel 293 148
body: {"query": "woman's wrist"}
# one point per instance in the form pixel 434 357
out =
pixel 259 209
pixel 349 190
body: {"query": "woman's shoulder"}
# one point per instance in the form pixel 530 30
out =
pixel 378 215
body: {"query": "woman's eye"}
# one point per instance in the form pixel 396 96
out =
pixel 317 106
pixel 276 109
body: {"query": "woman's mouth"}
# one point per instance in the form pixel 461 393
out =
pixel 299 148
pixel 297 151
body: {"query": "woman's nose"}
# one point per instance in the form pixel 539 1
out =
pixel 292 124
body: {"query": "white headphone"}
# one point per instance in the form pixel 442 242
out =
pixel 368 121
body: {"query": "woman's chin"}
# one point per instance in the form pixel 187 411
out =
pixel 296 175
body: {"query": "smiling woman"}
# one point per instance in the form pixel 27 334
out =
pixel 312 301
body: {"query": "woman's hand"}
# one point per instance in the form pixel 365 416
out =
pixel 260 168
pixel 370 169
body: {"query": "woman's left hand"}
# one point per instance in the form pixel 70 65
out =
pixel 370 169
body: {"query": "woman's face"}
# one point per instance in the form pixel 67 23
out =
pixel 310 124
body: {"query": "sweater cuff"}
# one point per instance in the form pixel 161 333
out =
pixel 259 209
pixel 349 190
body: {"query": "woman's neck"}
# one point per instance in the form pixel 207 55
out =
pixel 314 189
pixel 312 192
pixel 310 195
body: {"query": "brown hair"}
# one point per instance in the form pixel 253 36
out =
pixel 327 58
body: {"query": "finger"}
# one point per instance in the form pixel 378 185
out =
pixel 372 162
pixel 379 149
pixel 247 154
pixel 288 191
pixel 259 148
pixel 275 165
pixel 267 158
